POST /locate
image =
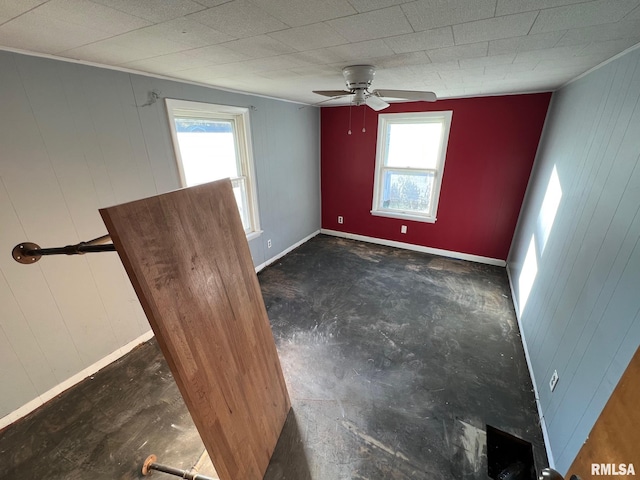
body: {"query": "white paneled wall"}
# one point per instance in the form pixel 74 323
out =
pixel 74 139
pixel 59 315
pixel 581 315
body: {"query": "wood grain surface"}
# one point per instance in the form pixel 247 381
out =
pixel 188 259
pixel 615 437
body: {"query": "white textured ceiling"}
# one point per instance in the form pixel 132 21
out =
pixel 286 48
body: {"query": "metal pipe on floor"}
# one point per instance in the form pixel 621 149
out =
pixel 150 464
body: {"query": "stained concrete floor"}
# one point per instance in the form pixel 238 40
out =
pixel 395 362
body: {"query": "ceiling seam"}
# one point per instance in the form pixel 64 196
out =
pixel 24 13
pixel 534 22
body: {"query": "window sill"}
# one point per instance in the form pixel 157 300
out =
pixel 253 235
pixel 403 216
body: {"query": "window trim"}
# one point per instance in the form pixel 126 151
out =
pixel 240 118
pixel 384 120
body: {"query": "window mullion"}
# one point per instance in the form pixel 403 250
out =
pixel 410 169
pixel 240 154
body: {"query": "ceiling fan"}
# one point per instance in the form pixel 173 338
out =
pixel 359 78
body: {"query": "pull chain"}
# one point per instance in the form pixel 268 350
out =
pixel 364 118
pixel 349 132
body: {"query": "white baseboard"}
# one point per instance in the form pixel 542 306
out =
pixel 284 252
pixel 417 248
pixel 70 382
pixel 543 423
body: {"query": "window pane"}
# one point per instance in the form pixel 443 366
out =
pixel 407 191
pixel 240 192
pixel 413 145
pixel 207 148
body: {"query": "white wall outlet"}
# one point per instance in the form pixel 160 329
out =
pixel 403 229
pixel 340 219
pixel 269 243
pixel 554 380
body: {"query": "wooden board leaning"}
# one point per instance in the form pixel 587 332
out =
pixel 188 259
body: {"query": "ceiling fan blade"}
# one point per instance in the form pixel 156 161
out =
pixel 376 103
pixel 332 93
pixel 407 95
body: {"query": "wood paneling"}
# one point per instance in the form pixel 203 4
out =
pixel 188 259
pixel 616 435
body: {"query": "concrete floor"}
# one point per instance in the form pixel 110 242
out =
pixel 395 362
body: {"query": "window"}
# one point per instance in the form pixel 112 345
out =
pixel 213 142
pixel 409 164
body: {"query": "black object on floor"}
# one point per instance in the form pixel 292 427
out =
pixel 509 457
pixel 551 474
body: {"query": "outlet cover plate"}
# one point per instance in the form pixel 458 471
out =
pixel 554 380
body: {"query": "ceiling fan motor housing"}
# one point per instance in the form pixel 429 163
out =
pixel 358 76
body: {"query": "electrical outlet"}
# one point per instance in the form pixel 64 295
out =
pixel 269 243
pixel 554 380
pixel 403 229
pixel 340 219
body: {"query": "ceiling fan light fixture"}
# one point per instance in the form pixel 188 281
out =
pixel 359 97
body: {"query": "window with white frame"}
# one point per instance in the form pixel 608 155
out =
pixel 410 157
pixel 212 142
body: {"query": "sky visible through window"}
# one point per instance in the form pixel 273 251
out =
pixel 207 149
pixel 410 145
pixel 414 145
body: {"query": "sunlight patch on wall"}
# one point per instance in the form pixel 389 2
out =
pixel 539 239
pixel 527 275
pixel 549 209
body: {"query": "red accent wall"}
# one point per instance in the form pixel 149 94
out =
pixel 492 145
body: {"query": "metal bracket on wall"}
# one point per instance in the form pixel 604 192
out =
pixel 28 252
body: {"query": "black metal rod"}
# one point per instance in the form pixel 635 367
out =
pixel 28 252
pixel 78 249
pixel 177 472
